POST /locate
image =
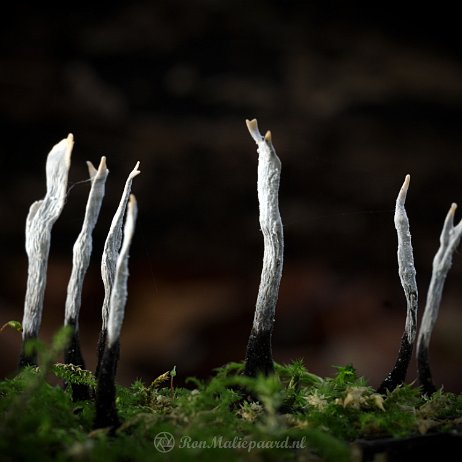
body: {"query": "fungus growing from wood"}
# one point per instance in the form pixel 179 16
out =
pixel 407 276
pixel 39 223
pixel 442 262
pixel 106 412
pixel 259 357
pixel 80 262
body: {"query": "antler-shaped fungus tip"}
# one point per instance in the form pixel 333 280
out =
pixel 91 169
pixel 135 171
pixel 252 126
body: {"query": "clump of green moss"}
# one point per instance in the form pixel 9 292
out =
pixel 289 415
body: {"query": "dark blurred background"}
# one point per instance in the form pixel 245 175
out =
pixel 355 97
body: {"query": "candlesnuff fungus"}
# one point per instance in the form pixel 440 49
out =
pixel 407 276
pixel 80 261
pixel 449 240
pixel 109 260
pixel 259 356
pixel 106 412
pixel 40 220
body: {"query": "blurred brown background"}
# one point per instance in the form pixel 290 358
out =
pixel 355 98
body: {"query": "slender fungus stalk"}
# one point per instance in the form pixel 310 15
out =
pixel 109 259
pixel 40 220
pixel 407 275
pixel 258 356
pixel 80 261
pixel 106 412
pixel 449 240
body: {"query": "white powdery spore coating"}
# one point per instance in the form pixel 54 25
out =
pixel 442 262
pixel 119 289
pixel 83 245
pixel 407 272
pixel 40 220
pixel 112 245
pixel 269 172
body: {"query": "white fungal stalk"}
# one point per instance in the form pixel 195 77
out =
pixel 406 270
pixel 269 172
pixel 83 245
pixel 259 356
pixel 407 276
pixel 40 220
pixel 112 246
pixel 119 289
pixel 109 344
pixel 442 262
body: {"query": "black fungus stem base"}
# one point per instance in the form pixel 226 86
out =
pixel 100 350
pixel 106 412
pixel 24 359
pixel 425 375
pixel 73 355
pixel 259 359
pixel 398 374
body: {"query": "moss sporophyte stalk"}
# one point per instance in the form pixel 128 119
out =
pixel 255 408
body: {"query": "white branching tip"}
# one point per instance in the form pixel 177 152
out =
pixel 119 290
pixel 83 245
pixel 92 171
pixel 112 246
pixel 135 171
pixel 40 220
pixel 252 126
pixel 448 226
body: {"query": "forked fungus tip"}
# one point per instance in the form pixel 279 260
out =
pixel 91 169
pixel 252 125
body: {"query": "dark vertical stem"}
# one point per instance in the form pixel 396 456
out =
pixel 106 411
pixel 425 375
pixel 25 359
pixel 259 358
pixel 397 375
pixel 73 355
pixel 100 350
